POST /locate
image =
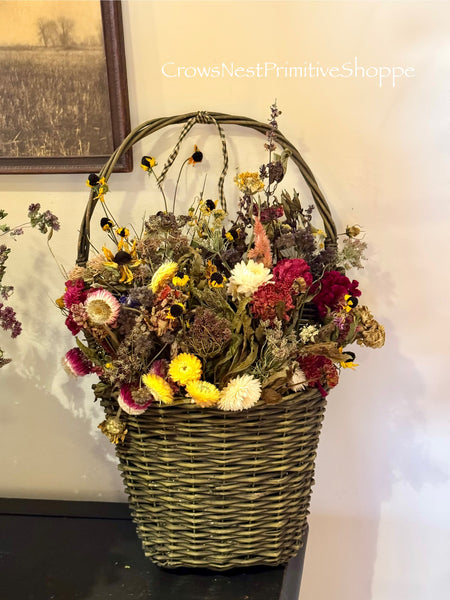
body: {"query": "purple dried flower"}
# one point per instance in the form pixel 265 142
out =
pixel 8 320
pixel 33 209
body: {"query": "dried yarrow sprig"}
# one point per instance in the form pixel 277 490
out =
pixel 45 222
pixel 219 313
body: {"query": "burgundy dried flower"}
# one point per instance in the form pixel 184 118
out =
pixel 76 363
pixel 331 290
pixel 319 371
pixel 74 293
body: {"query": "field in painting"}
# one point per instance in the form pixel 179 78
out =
pixel 53 102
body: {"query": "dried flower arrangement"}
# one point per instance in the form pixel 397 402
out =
pixel 46 223
pixel 219 311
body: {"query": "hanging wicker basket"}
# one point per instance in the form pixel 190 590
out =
pixel 209 488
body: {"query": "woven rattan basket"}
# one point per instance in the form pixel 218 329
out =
pixel 218 489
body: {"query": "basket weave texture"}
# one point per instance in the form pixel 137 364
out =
pixel 209 488
pixel 221 490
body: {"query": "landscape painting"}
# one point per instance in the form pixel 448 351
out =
pixel 63 96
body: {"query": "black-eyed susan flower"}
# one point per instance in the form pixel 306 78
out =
pixel 102 307
pixel 92 180
pixel 148 162
pixel 241 393
pixel 196 157
pixel 162 275
pixel 184 368
pixel 102 188
pixel 176 310
pixel 123 262
pixel 217 280
pixel 232 235
pixel 106 224
pixel 203 393
pixel 123 232
pixel 350 302
pixel 159 388
pixel 180 279
pixel 348 363
pixel 207 206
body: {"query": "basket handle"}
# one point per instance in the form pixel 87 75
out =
pixel 191 119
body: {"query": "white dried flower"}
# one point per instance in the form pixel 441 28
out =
pixel 241 393
pixel 308 333
pixel 246 278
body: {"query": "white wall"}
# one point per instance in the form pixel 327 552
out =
pixel 379 520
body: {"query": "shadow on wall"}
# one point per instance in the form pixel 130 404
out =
pixel 372 439
pixel 49 424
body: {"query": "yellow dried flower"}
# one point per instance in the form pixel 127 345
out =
pixel 249 183
pixel 203 393
pixel 184 368
pixel 162 275
pixel 114 429
pixel 159 387
pixel 353 231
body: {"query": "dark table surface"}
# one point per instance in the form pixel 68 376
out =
pixel 59 550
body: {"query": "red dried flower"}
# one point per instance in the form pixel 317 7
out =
pixel 271 214
pixel 319 371
pixel 72 325
pixel 272 301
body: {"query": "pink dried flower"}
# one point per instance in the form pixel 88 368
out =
pixel 72 325
pixel 75 363
pixel 288 270
pixel 128 404
pixel 261 252
pixel 102 307
pixel 74 293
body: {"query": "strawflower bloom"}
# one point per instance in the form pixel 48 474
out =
pixel 241 393
pixel 128 404
pixel 184 368
pixel 102 307
pixel 247 277
pixel 75 363
pixel 162 275
pixel 160 389
pixel 203 393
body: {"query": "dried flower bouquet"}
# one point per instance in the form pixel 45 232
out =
pixel 217 310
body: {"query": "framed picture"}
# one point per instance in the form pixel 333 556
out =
pixel 63 89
